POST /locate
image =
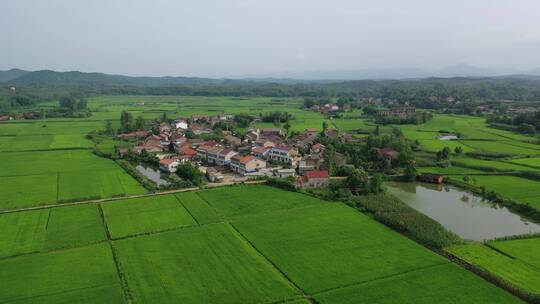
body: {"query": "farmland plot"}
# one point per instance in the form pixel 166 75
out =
pixel 247 200
pixel 198 208
pixel 447 283
pixel 208 264
pixel 513 270
pixel 47 177
pixel 46 229
pixel 81 275
pixel 332 246
pixel 527 250
pixel 146 214
pixel 512 187
pixel 28 190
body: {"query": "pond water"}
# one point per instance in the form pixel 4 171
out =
pixel 152 174
pixel 467 215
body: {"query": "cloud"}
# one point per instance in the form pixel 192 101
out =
pixel 302 57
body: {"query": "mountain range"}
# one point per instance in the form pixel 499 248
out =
pixel 49 77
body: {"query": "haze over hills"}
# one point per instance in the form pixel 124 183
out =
pixel 49 77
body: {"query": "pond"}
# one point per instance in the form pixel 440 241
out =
pixel 467 215
pixel 152 174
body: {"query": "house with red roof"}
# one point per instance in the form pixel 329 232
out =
pixel 388 152
pixel 260 152
pixel 314 179
pixel 134 134
pixel 169 164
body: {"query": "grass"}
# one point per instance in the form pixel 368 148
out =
pixel 332 246
pixel 47 229
pixel 85 274
pixel 147 214
pixel 445 283
pixel 514 271
pixel 247 200
pixel 209 264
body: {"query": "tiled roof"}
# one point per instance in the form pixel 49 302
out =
pixel 247 159
pixel 317 174
pixel 167 161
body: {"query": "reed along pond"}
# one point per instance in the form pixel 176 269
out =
pixel 467 215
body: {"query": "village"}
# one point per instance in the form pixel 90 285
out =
pixel 257 154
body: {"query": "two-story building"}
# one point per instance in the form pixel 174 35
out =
pixel 220 156
pixel 283 154
pixel 169 165
pixel 246 164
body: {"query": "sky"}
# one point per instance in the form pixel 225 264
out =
pixel 235 38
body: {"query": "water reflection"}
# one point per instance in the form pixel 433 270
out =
pixel 153 174
pixel 461 212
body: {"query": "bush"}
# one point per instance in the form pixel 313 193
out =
pixel 399 216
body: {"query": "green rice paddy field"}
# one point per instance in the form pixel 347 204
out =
pixel 241 244
pixel 50 177
pixel 244 244
pixel 515 261
pixel 474 133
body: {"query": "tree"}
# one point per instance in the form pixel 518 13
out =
pixel 396 132
pixel 443 154
pixel 375 184
pixel 458 150
pixel 357 179
pixel 108 127
pixel 67 102
pixel 126 120
pixel 526 128
pixel 287 127
pixel 140 123
pixel 164 117
pixel 243 120
pixel 410 172
pixel 329 156
pixel 191 173
pixel 377 131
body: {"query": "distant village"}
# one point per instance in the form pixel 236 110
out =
pixel 257 154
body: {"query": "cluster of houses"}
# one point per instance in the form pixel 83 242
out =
pixel 258 153
pixel 330 109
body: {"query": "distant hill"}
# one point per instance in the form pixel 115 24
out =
pixel 6 76
pixel 48 77
pixel 75 78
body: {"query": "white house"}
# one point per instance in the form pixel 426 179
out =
pixel 220 156
pixel 180 124
pixel 246 164
pixel 169 164
pixel 283 154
